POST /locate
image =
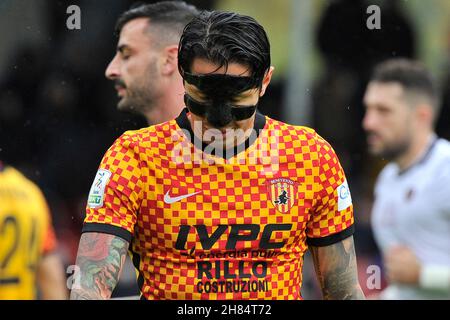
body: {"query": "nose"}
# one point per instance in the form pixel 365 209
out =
pixel 113 71
pixel 369 121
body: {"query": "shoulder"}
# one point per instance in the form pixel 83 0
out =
pixel 436 175
pixel 440 162
pixel 305 146
pixel 308 137
pixel 17 178
pixel 442 151
pixel 21 184
pixel 287 128
pixel 155 134
pixel 436 164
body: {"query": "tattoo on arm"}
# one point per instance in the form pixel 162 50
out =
pixel 100 259
pixel 336 270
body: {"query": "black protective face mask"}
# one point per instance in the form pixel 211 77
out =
pixel 220 89
pixel 214 114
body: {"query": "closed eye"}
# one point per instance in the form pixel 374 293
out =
pixel 124 52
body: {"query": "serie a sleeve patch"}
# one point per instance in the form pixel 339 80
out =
pixel 97 192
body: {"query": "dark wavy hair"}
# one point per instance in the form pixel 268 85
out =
pixel 224 38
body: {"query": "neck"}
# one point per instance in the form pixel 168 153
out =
pixel 416 151
pixel 169 105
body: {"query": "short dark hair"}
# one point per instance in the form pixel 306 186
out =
pixel 171 15
pixel 225 37
pixel 412 75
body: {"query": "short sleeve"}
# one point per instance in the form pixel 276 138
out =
pixel 114 197
pixel 332 218
pixel 49 243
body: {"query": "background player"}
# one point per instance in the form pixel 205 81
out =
pixel 144 68
pixel 411 213
pixel 194 226
pixel 27 251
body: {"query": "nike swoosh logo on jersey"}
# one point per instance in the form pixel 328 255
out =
pixel 169 199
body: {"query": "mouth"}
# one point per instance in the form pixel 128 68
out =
pixel 373 139
pixel 120 90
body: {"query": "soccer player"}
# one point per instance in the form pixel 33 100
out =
pixel 144 68
pixel 27 250
pixel 206 223
pixel 411 213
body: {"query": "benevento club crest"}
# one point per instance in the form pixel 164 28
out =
pixel 283 193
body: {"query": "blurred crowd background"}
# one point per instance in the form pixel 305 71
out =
pixel 58 112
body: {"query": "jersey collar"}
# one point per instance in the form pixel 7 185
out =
pixel 260 123
pixel 433 141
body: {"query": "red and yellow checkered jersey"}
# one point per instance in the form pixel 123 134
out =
pixel 26 234
pixel 212 225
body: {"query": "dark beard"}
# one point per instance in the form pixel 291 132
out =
pixel 141 96
pixel 138 101
pixel 391 153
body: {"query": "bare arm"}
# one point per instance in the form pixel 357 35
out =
pixel 51 278
pixel 100 259
pixel 336 271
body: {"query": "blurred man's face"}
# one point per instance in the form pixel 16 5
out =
pixel 246 98
pixel 134 68
pixel 389 121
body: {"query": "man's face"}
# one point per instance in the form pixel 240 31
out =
pixel 134 68
pixel 389 120
pixel 246 98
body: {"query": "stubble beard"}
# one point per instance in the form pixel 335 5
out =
pixel 393 151
pixel 141 96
